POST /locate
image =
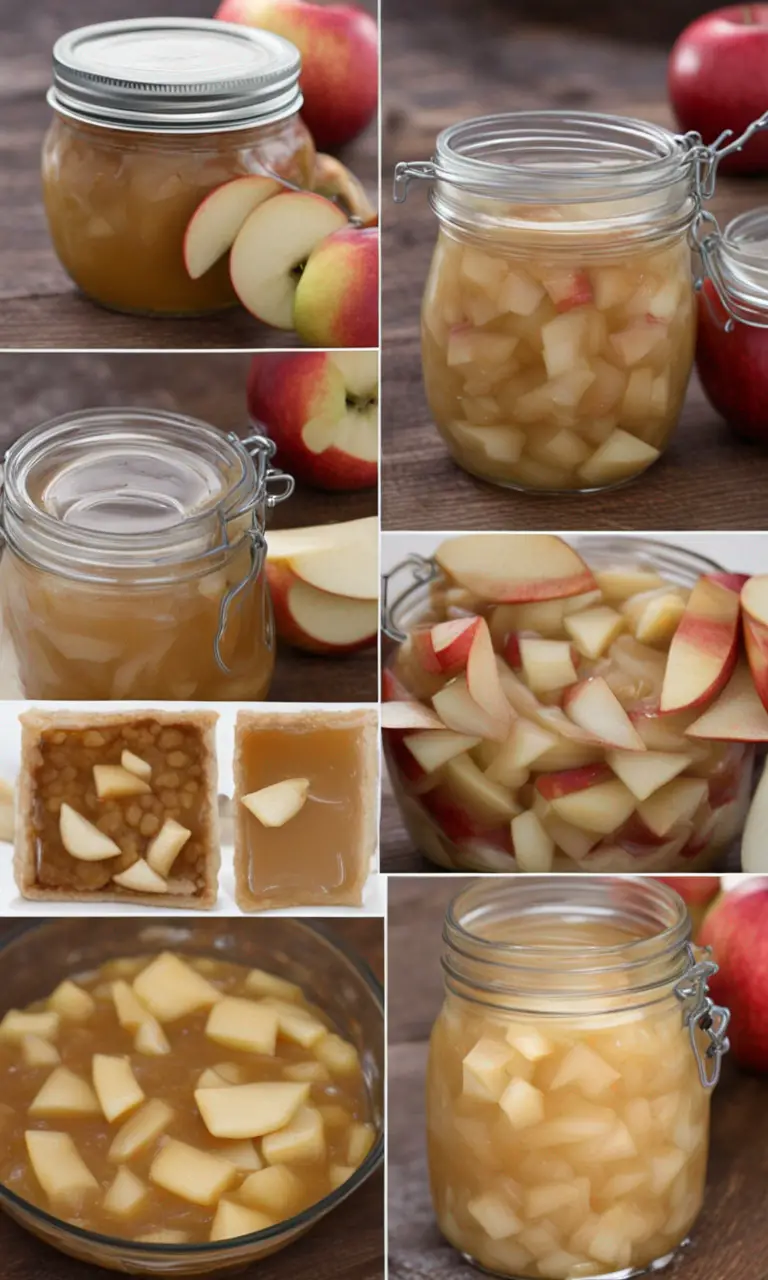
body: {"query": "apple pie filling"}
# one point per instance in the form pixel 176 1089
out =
pixel 119 807
pixel 306 803
pixel 549 713
pixel 572 1142
pixel 177 1100
pixel 562 372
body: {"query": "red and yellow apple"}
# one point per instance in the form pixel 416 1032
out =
pixel 338 44
pixel 736 929
pixel 697 892
pixel 321 409
pixel 337 294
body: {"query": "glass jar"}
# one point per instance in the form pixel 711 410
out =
pixel 151 115
pixel 36 956
pixel 464 832
pixel 569 1078
pixel 558 322
pixel 133 563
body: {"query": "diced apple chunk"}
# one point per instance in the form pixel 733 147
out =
pixel 593 706
pixel 522 1104
pixel 530 1043
pixel 141 1130
pixel 16 1024
pixel 300 1141
pixel 151 1040
pixel 210 1079
pixel 672 804
pixel 547 664
pixel 602 808
pixel 435 747
pixel 59 1167
pixel 585 1069
pixel 117 1088
pixel 485 1069
pixel 534 847
pixel 275 1189
pixel 231 1072
pixel 140 878
pixel 339 1056
pixel 82 839
pixel 295 1024
pixel 620 456
pixel 520 293
pixel 113 782
pixel 618 584
pixel 191 1174
pixel 232 1220
pixel 129 1009
pixel 134 764
pixel 646 771
pixel 361 1139
pixel 166 1236
pixel 594 630
pixel 250 1110
pixel 654 616
pixel 65 1094
pixel 71 1003
pixel 315 1072
pixel 125 1194
pixel 243 1155
pixel 37 1052
pixel 564 340
pixel 261 983
pixel 243 1024
pixel 166 846
pixel 496 1218
pixel 171 989
pixel 338 1174
pixel 276 805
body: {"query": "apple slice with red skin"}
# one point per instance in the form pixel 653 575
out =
pixel 409 716
pixel 704 648
pixel 754 604
pixel 483 676
pixel 525 703
pixel 737 715
pixel 458 825
pixel 446 646
pixel 214 225
pixel 317 621
pixel 514 568
pixel 593 706
pixel 393 689
pixel 272 248
pixel 554 785
pixel 459 711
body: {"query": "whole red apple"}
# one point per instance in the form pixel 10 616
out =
pixel 321 410
pixel 737 931
pixel 339 50
pixel 718 79
pixel 733 368
pixel 337 296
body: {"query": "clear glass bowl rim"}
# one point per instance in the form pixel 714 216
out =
pixel 288 1226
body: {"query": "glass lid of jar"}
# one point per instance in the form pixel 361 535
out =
pixel 175 75
pixel 119 489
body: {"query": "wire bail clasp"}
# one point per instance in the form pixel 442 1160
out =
pixel 408 171
pixel 702 1014
pixel 423 571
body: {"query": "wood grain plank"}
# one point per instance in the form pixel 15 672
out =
pixel 730 1239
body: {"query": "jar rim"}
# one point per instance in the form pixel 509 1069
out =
pixel 177 75
pixel 99 509
pixel 741 260
pixel 632 152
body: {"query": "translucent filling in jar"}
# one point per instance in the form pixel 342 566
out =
pixel 569 764
pixel 126 165
pixel 567 1117
pixel 558 323
pixel 133 560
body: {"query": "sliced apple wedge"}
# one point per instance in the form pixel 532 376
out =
pixel 113 782
pixel 547 664
pixel 320 621
pixel 593 706
pixel 135 764
pixel 125 1194
pixel 298 1142
pixel 435 747
pixel 533 845
pixel 129 1009
pixel 672 804
pixel 296 1024
pixel 166 846
pixel 602 808
pixel 65 1094
pixel 151 1040
pixel 524 567
pixel 271 249
pixel 342 562
pixel 275 1189
pixel 171 989
pixel 594 630
pixel 37 1052
pixel 647 771
pixel 116 1086
pixel 655 615
pixel 59 1167
pixel 737 715
pixel 620 582
pixel 446 646
pixel 408 715
pixel 72 1003
pixel 82 839
pixel 262 983
pixel 276 805
pixel 232 1220
pixel 140 878
pixel 526 743
pixel 216 221
pixel 243 1024
pixel 483 799
pixel 459 711
pixel 704 648
pixel 141 1130
pixel 754 603
pixel 483 680
pixel 17 1023
pixel 250 1110
pixel 191 1174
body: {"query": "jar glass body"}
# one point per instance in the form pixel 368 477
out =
pixel 457 833
pixel 567 1121
pixel 134 560
pixel 119 202
pixel 558 323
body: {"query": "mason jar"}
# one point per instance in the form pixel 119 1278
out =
pixel 570 1075
pixel 466 827
pixel 134 556
pixel 150 116
pixel 558 323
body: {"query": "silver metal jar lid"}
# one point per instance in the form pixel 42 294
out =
pixel 175 75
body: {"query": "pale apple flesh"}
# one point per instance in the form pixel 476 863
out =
pixel 337 296
pixel 318 621
pixel 704 648
pixel 527 567
pixel 215 223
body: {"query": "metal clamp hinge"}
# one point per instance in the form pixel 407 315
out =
pixel 702 1014
pixel 423 571
pixel 408 170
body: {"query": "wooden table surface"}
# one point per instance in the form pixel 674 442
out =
pixel 730 1240
pixel 35 387
pixel 448 62
pixel 348 1243
pixel 39 305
